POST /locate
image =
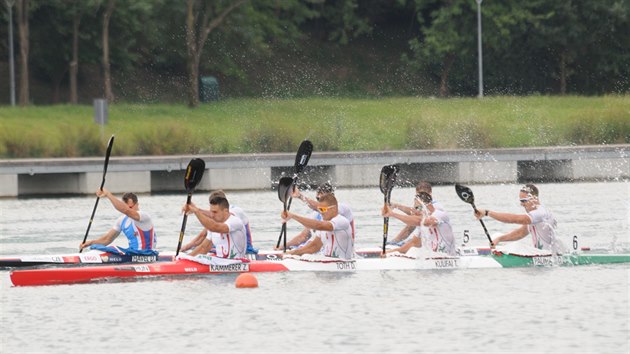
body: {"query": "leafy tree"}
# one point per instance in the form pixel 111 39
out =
pixel 202 17
pixel 583 35
pixel 446 37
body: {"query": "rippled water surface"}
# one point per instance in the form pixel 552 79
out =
pixel 578 309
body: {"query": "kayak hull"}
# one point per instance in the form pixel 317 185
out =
pixel 513 260
pixel 53 276
pixel 71 275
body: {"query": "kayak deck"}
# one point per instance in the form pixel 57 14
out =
pixel 52 276
pixel 98 257
pixel 66 275
pixel 572 259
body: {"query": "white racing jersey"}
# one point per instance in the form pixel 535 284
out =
pixel 543 230
pixel 438 238
pixel 232 244
pixel 339 242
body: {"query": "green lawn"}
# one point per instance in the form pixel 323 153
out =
pixel 259 125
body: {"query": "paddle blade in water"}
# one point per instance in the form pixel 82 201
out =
pixel 303 155
pixel 465 193
pixel 194 172
pixel 284 188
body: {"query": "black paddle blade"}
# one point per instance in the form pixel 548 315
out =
pixel 193 175
pixel 107 154
pixel 465 193
pixel 284 188
pixel 303 155
pixel 388 178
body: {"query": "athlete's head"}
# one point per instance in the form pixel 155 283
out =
pixel 130 199
pixel 327 206
pixel 219 209
pixel 423 186
pixel 217 193
pixel 528 196
pixel 324 189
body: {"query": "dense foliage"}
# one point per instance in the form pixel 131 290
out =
pixel 301 48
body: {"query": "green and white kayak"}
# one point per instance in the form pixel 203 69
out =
pixel 536 258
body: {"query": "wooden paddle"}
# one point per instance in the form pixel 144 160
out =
pixel 467 196
pixel 285 188
pixel 301 160
pixel 107 154
pixel 387 180
pixel 194 173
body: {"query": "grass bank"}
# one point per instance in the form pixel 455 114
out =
pixel 258 125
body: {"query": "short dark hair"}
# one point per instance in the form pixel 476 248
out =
pixel 325 188
pixel 424 186
pixel 424 197
pixel 220 201
pixel 328 199
pixel 217 193
pixel 530 188
pixel 131 196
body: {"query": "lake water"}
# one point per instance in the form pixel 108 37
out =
pixel 574 309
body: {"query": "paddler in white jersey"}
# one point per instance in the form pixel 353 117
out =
pixel 433 229
pixel 537 221
pixel 322 190
pixel 225 231
pixel 333 234
pixel 405 233
pixel 234 210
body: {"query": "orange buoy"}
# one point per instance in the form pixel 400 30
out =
pixel 246 280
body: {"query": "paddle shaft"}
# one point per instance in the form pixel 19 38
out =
pixel 181 232
pixel 385 224
pixel 107 154
pixel 301 160
pixel 385 227
pixel 283 231
pixel 482 224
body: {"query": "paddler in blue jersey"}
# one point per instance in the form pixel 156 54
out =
pixel 333 234
pixel 537 221
pixel 234 210
pixel 135 224
pixel 226 232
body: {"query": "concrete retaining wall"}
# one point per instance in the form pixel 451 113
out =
pixel 23 177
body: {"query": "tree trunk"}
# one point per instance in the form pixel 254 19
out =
pixel 56 83
pixel 74 63
pixel 563 73
pixel 191 51
pixel 22 19
pixel 196 35
pixel 107 79
pixel 446 69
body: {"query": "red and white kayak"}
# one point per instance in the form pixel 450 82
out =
pixel 93 257
pixel 201 265
pixel 501 258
